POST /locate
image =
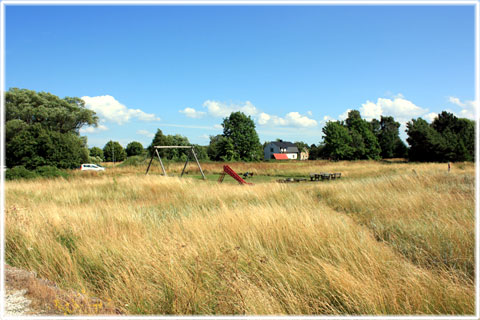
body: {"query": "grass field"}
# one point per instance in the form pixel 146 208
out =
pixel 387 238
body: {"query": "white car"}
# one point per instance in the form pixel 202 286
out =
pixel 91 167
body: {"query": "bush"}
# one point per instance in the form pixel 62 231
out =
pixel 95 159
pixel 50 172
pixel 135 161
pixel 19 172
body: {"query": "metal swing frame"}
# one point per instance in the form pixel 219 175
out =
pixel 192 149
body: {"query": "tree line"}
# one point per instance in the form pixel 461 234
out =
pixel 447 138
pixel 42 129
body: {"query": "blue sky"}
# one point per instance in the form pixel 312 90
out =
pixel 291 68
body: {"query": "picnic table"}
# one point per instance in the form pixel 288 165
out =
pixel 325 176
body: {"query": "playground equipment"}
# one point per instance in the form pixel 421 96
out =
pixel 175 147
pixel 233 174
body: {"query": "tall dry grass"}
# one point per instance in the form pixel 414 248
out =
pixel 382 240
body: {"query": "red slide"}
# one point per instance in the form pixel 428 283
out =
pixel 234 175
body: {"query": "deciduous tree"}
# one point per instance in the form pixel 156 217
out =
pixel 43 129
pixel 114 152
pixel 240 131
pixel 134 148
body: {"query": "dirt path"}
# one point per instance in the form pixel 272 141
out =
pixel 26 294
pixel 16 304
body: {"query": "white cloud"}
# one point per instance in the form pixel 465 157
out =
pixel 429 117
pixel 192 113
pixel 218 126
pixel 220 109
pixel 399 108
pixel 467 107
pixel 297 120
pixel 146 133
pixel 99 128
pixel 325 119
pixel 456 101
pixel 263 118
pixel 344 115
pixel 292 119
pixel 370 110
pixel 108 108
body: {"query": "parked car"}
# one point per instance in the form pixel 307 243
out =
pixel 91 167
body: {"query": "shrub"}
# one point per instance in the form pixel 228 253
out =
pixel 19 172
pixel 50 172
pixel 134 161
pixel 95 159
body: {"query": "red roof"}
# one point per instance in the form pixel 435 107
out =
pixel 280 156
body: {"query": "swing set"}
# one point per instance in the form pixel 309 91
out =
pixel 174 147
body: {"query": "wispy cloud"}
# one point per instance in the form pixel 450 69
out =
pixel 109 109
pixel 467 108
pixel 205 137
pixel 146 133
pixel 186 126
pixel 99 128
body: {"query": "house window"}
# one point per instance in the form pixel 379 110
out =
pixel 271 149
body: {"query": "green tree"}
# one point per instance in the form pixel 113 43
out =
pixel 448 138
pixel 317 152
pixel 134 148
pixel 458 135
pixel 227 150
pixel 97 152
pixel 114 152
pixel 240 131
pixel 201 152
pixel 43 130
pixel 301 146
pixel 337 141
pixel 401 150
pixel 177 154
pixel 426 144
pixel 213 149
pixel 158 140
pixel 388 136
pixel 170 140
pixel 364 142
pixel 466 140
pixel 65 115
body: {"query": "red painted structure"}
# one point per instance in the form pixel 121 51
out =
pixel 280 156
pixel 233 174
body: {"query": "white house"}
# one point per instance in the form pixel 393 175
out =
pixel 280 150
